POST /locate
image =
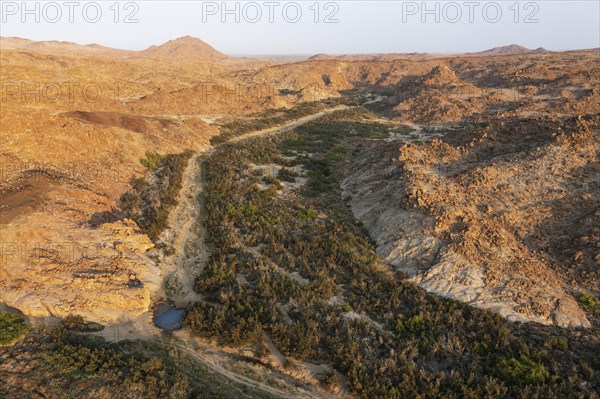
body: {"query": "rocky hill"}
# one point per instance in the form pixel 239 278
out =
pixel 186 47
pixel 512 49
pixel 498 215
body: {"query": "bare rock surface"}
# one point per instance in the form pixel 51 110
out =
pixel 458 218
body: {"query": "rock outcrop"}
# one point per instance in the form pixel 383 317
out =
pixel 472 222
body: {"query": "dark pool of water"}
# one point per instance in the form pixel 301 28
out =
pixel 168 317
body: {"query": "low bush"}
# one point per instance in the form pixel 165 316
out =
pixel 12 329
pixel 149 204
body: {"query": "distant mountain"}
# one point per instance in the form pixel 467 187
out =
pixel 55 47
pixel 11 43
pixel 513 49
pixel 186 47
pixel 373 57
pixel 280 57
pixel 182 49
pixel 540 50
pixel 321 56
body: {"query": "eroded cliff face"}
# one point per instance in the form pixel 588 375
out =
pixel 474 218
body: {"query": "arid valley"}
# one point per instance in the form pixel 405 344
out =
pixel 181 223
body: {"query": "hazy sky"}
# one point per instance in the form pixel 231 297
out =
pixel 284 27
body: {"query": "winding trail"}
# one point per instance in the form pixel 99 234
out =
pixel 214 358
pixel 290 125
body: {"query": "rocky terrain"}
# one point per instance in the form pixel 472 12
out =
pixel 476 176
pixel 77 119
pixel 497 214
pixel 66 159
pixel 504 222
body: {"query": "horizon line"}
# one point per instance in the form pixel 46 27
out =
pixel 302 54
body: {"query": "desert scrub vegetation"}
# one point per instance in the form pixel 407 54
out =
pixel 523 370
pixel 273 117
pixel 151 160
pixel 86 366
pixel 150 199
pixel 12 329
pixel 402 129
pixel 590 304
pixel 296 266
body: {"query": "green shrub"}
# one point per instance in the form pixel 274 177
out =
pixel 411 327
pixel 272 180
pixel 151 160
pixel 402 129
pixel 328 379
pixel 590 304
pixel 12 329
pixel 271 118
pixel 307 214
pixel 149 204
pixel 288 175
pixel 522 371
